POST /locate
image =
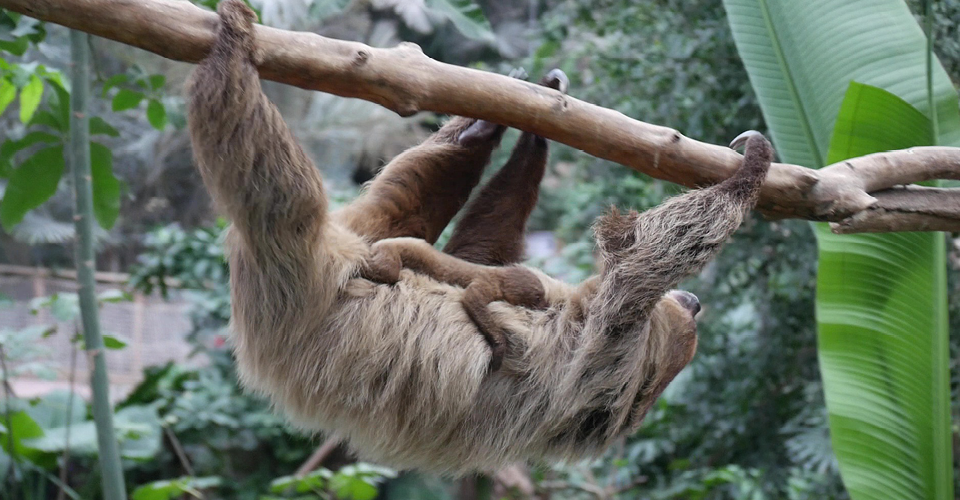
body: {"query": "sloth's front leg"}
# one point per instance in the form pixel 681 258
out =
pixel 483 284
pixel 512 284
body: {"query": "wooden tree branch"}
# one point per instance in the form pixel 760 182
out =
pixel 319 455
pixel 404 80
pixel 921 207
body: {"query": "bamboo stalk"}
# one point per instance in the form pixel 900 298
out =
pixel 79 157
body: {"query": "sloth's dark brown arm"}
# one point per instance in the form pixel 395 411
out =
pixel 249 160
pixel 493 227
pixel 418 192
pixel 513 284
pixel 650 253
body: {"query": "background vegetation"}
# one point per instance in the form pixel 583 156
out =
pixel 746 420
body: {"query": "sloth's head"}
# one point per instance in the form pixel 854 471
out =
pixel 673 325
pixel 672 344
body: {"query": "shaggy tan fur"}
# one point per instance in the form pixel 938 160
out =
pixel 400 370
pixel 482 284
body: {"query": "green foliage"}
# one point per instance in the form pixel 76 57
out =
pixel 18 32
pixel 8 92
pixel 354 482
pixel 156 114
pixel 882 380
pixel 126 99
pixel 668 62
pixel 106 186
pixel 30 96
pixel 224 432
pixel 133 88
pixel 878 293
pixel 194 257
pixel 37 434
pixel 195 260
pixel 137 428
pixel 466 16
pixel 23 350
pixel 65 307
pixel 36 178
pixel 33 183
pixel 28 160
pixel 170 489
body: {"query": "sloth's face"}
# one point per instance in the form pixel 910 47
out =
pixel 673 342
pixel 673 323
pixel 673 335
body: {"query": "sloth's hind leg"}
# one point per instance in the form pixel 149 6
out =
pixel 492 228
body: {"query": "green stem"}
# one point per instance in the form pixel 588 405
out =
pixel 110 468
pixel 11 445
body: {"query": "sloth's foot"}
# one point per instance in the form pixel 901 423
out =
pixel 556 79
pixel 382 266
pixel 512 284
pixel 482 129
pixel 478 131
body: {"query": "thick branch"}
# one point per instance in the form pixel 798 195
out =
pixel 404 80
pixel 913 207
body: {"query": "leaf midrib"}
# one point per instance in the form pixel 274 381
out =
pixel 805 125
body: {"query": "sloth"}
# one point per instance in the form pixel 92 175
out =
pixel 400 370
pixel 487 243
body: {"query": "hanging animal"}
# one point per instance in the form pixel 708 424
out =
pixel 397 366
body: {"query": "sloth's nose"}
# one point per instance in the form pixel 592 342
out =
pixel 688 300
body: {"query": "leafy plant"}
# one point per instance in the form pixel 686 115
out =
pixel 18 32
pixel 34 163
pixel 169 489
pixel 354 482
pixel 879 293
pixel 134 88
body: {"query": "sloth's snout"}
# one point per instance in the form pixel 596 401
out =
pixel 688 300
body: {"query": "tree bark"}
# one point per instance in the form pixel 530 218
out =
pixel 404 80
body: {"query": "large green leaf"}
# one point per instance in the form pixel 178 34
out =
pixel 169 489
pixel 106 186
pixel 881 298
pixel 883 333
pixel 801 56
pixel 138 430
pixel 31 184
pixel 30 96
pixel 8 92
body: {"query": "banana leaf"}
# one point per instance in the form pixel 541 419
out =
pixel 881 298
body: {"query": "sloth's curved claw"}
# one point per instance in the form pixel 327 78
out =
pixel 741 140
pixel 557 80
pixel 478 131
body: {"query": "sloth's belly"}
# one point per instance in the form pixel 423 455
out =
pixel 402 373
